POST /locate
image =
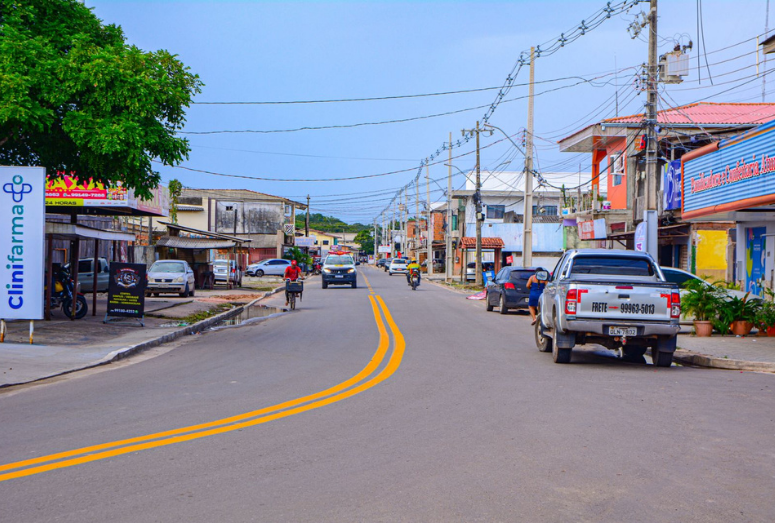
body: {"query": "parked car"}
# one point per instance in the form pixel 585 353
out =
pixel 471 269
pixel 167 276
pixel 383 262
pixel 271 267
pixel 86 274
pixel 680 277
pixel 398 266
pixel 508 290
pixel 438 265
pixel 227 271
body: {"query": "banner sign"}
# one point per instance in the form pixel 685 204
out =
pixel 303 241
pixel 640 236
pixel 126 290
pixel 671 186
pixel 384 249
pixel 67 190
pixel 592 229
pixel 22 252
pixel 739 174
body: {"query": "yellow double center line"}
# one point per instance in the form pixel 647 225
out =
pixel 344 390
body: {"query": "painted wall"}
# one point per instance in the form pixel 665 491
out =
pixel 711 254
pixel 547 237
pixel 617 194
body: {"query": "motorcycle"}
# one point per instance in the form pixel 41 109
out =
pixel 414 280
pixel 62 296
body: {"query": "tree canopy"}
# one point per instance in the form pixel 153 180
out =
pixel 321 222
pixel 75 97
pixel 366 241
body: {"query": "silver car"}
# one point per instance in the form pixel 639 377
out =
pixel 273 267
pixel 398 266
pixel 170 276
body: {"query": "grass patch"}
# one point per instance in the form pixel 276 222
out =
pixel 203 315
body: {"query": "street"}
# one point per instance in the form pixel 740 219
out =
pixel 383 404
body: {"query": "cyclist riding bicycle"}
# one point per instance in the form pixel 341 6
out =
pixel 412 268
pixel 292 273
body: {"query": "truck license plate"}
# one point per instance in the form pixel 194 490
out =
pixel 338 276
pixel 622 331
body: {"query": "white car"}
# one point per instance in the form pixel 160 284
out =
pixel 398 266
pixel 680 277
pixel 170 276
pixel 272 267
pixel 226 271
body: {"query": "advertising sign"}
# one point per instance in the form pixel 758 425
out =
pixel 640 236
pixel 23 226
pixel 126 290
pixel 303 241
pixel 592 229
pixel 671 186
pixel 67 190
pixel 735 174
pixel 384 249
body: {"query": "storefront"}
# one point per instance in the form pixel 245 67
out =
pixel 734 180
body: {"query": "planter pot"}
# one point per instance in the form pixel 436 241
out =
pixel 761 331
pixel 703 328
pixel 771 331
pixel 741 328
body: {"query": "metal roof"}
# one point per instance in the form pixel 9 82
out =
pixel 182 242
pixel 708 113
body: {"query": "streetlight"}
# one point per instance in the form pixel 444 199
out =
pixel 527 212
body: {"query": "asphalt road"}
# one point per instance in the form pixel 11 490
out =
pixel 445 413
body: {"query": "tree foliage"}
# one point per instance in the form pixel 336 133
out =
pixel 294 253
pixel 75 97
pixel 366 241
pixel 321 222
pixel 175 188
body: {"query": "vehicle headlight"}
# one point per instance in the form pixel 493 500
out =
pixel 179 279
pixel 327 271
pixel 350 270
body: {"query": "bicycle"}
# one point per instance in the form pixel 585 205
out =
pixel 293 288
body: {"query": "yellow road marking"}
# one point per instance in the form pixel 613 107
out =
pixel 196 431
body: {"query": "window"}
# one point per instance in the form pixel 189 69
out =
pixel 612 266
pixel 678 277
pixel 616 164
pixel 545 210
pixel 325 242
pixel 495 212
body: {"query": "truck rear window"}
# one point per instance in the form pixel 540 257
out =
pixel 612 266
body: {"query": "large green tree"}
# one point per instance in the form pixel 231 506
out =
pixel 366 241
pixel 75 97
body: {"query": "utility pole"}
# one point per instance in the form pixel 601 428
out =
pixel 417 216
pixel 478 204
pixel 450 254
pixel 428 238
pixel 306 226
pixel 650 214
pixel 527 214
pixel 375 240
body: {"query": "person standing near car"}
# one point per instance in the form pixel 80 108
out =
pixel 292 273
pixel 536 288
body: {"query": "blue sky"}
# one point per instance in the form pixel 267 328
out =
pixel 308 51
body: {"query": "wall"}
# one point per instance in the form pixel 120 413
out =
pixel 616 194
pixel 711 262
pixel 547 237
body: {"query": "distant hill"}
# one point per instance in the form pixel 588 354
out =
pixel 328 224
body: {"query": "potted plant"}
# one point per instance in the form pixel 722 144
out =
pixel 765 319
pixel 701 302
pixel 739 315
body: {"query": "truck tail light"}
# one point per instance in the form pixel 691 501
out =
pixel 571 299
pixel 675 305
pixel 509 285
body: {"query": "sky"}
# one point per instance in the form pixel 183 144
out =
pixel 272 51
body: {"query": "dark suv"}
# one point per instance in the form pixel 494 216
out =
pixel 508 290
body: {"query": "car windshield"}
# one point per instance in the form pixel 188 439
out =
pixel 220 262
pixel 167 266
pixel 336 259
pixel 401 260
pixel 613 265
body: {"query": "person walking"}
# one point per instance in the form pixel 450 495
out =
pixel 536 288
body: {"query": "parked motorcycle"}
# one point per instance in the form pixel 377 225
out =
pixel 62 295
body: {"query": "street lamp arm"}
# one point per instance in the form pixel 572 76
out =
pixel 506 135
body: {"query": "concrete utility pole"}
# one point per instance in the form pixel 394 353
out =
pixel 417 216
pixel 450 254
pixel 375 239
pixel 306 227
pixel 428 238
pixel 527 214
pixel 650 214
pixel 478 203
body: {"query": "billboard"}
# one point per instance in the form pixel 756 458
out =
pixel 67 190
pixel 23 227
pixel 592 229
pixel 671 186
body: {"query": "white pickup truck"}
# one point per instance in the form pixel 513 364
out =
pixel 612 298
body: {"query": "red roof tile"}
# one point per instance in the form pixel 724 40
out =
pixel 468 242
pixel 708 113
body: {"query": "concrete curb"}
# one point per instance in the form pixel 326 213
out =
pixel 702 360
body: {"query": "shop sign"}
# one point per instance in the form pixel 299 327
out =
pixel 23 224
pixel 592 229
pixel 304 241
pixel 384 249
pixel 126 290
pixel 738 174
pixel 671 186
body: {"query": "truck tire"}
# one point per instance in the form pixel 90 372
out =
pixel 502 305
pixel 325 285
pixel 560 355
pixel 661 358
pixel 543 342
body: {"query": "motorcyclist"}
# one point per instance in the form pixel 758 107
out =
pixel 412 268
pixel 292 273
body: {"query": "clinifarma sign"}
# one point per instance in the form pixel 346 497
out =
pixel 22 239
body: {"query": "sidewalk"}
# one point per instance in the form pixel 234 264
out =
pixel 62 345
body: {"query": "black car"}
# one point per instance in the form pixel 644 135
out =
pixel 383 262
pixel 508 290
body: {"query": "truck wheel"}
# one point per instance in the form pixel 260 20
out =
pixel 661 358
pixel 560 355
pixel 502 306
pixel 355 285
pixel 544 343
pixel 325 285
pixel 487 303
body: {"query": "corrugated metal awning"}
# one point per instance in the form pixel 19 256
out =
pixel 71 231
pixel 179 242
